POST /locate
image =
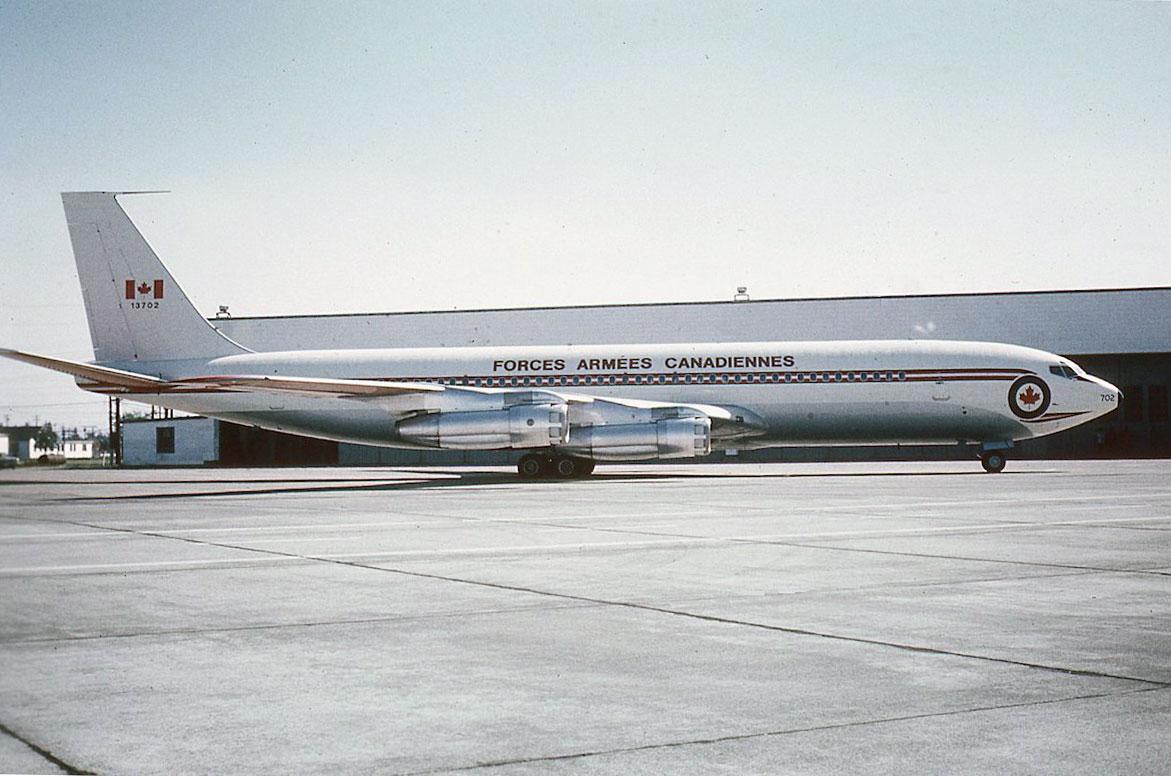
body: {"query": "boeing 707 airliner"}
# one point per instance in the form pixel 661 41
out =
pixel 564 408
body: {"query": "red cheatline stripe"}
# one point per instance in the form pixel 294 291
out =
pixel 652 377
pixel 957 378
pixel 115 391
pixel 1056 416
pixel 869 376
pixel 970 369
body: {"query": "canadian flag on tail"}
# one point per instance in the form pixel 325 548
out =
pixel 137 288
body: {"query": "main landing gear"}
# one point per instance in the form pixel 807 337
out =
pixel 533 466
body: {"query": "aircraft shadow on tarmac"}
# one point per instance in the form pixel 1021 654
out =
pixel 451 478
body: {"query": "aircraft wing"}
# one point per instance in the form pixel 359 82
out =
pixel 373 390
pixel 402 398
pixel 319 386
pixel 728 422
pixel 398 397
pixel 713 411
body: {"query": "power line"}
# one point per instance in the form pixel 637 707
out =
pixel 57 404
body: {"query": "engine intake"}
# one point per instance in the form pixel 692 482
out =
pixel 674 438
pixel 519 426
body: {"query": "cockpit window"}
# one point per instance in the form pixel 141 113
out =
pixel 1063 371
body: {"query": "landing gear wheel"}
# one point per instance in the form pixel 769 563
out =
pixel 565 467
pixel 530 466
pixel 993 462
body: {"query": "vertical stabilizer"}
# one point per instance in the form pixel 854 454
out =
pixel 136 310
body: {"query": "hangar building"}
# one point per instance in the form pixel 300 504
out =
pixel 1122 335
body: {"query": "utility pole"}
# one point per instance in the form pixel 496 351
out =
pixel 114 420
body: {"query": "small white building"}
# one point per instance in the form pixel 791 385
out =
pixel 19 441
pixel 35 451
pixel 185 441
pixel 79 448
pixel 72 447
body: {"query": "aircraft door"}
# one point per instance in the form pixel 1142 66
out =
pixel 940 391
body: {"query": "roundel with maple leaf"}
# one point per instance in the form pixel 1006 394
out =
pixel 1028 397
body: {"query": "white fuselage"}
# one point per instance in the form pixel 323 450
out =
pixel 855 392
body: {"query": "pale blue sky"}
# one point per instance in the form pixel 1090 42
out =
pixel 397 156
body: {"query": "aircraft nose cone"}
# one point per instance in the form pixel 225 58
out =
pixel 1109 398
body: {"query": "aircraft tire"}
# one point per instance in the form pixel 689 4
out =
pixel 531 466
pixel 993 462
pixel 565 467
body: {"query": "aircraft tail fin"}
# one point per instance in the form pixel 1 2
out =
pixel 136 310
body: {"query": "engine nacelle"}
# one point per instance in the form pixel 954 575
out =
pixel 519 426
pixel 688 437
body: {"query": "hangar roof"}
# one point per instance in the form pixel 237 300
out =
pixel 1131 320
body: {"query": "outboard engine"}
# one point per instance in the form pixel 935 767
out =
pixel 683 437
pixel 522 425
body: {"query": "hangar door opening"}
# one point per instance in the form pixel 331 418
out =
pixel 248 446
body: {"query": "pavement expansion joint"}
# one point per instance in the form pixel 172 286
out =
pixel 43 753
pixel 776 733
pixel 295 625
pixel 893 586
pixel 649 608
pixel 734 540
pixel 238 492
pixel 939 556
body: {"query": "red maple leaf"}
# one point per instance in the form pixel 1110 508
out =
pixel 1030 396
pixel 144 288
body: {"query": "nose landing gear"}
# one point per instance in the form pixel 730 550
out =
pixel 993 461
pixel 994 455
pixel 533 466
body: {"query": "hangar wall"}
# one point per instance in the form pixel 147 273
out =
pixel 1065 322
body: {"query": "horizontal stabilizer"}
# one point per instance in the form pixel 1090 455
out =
pixel 120 381
pixel 97 374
